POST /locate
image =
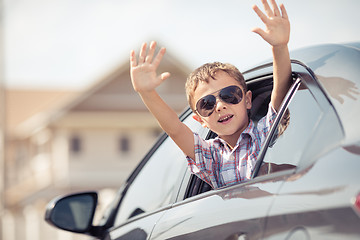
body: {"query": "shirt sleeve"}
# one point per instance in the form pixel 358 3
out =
pixel 265 123
pixel 203 164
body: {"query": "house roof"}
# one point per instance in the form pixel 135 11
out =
pixel 28 109
pixel 23 104
pixel 114 92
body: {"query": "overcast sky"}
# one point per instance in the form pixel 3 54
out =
pixel 72 43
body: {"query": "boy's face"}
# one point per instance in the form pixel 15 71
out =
pixel 227 120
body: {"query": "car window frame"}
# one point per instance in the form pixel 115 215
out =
pixel 308 80
pixel 264 72
pixel 287 100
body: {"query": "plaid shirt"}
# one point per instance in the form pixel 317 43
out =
pixel 218 165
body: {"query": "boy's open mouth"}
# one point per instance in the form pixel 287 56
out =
pixel 225 118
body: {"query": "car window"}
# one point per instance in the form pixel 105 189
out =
pixel 294 133
pixel 157 183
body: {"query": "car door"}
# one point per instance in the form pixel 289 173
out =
pixel 151 189
pixel 316 202
pixel 236 212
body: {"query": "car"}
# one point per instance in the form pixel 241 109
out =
pixel 305 185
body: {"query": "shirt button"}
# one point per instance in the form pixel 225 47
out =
pixel 232 157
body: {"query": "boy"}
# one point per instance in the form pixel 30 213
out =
pixel 218 97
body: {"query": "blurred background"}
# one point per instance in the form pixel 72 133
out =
pixel 70 120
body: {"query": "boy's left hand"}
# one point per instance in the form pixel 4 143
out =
pixel 277 32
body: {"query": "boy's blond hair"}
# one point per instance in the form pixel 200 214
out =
pixel 207 71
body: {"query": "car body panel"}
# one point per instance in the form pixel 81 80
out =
pixel 319 199
pixel 223 214
pixel 138 229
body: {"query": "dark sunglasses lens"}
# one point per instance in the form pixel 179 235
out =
pixel 205 106
pixel 232 94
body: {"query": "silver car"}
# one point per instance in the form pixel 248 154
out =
pixel 306 184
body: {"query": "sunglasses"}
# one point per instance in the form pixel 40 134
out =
pixel 205 106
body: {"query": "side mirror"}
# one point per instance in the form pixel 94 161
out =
pixel 73 213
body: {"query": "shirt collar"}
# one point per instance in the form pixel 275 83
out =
pixel 249 130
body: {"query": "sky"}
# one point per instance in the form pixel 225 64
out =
pixel 70 44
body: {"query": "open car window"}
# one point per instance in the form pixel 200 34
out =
pixel 292 133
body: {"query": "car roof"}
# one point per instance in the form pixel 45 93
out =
pixel 336 67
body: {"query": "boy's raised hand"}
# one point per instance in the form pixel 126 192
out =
pixel 277 24
pixel 143 70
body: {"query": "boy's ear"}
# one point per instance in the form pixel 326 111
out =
pixel 248 97
pixel 199 119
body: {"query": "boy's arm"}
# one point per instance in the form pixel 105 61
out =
pixel 277 34
pixel 145 79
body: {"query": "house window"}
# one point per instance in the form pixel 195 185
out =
pixel 156 132
pixel 75 144
pixel 124 144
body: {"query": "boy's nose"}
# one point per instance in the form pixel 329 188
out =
pixel 219 105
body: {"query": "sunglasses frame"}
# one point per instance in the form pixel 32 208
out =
pixel 218 96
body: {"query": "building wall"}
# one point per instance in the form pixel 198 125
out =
pixel 92 143
pixel 45 165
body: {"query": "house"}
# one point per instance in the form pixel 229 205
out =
pixel 60 142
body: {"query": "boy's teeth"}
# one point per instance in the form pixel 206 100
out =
pixel 225 118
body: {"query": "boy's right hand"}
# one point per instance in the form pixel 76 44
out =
pixel 143 71
pixel 145 79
